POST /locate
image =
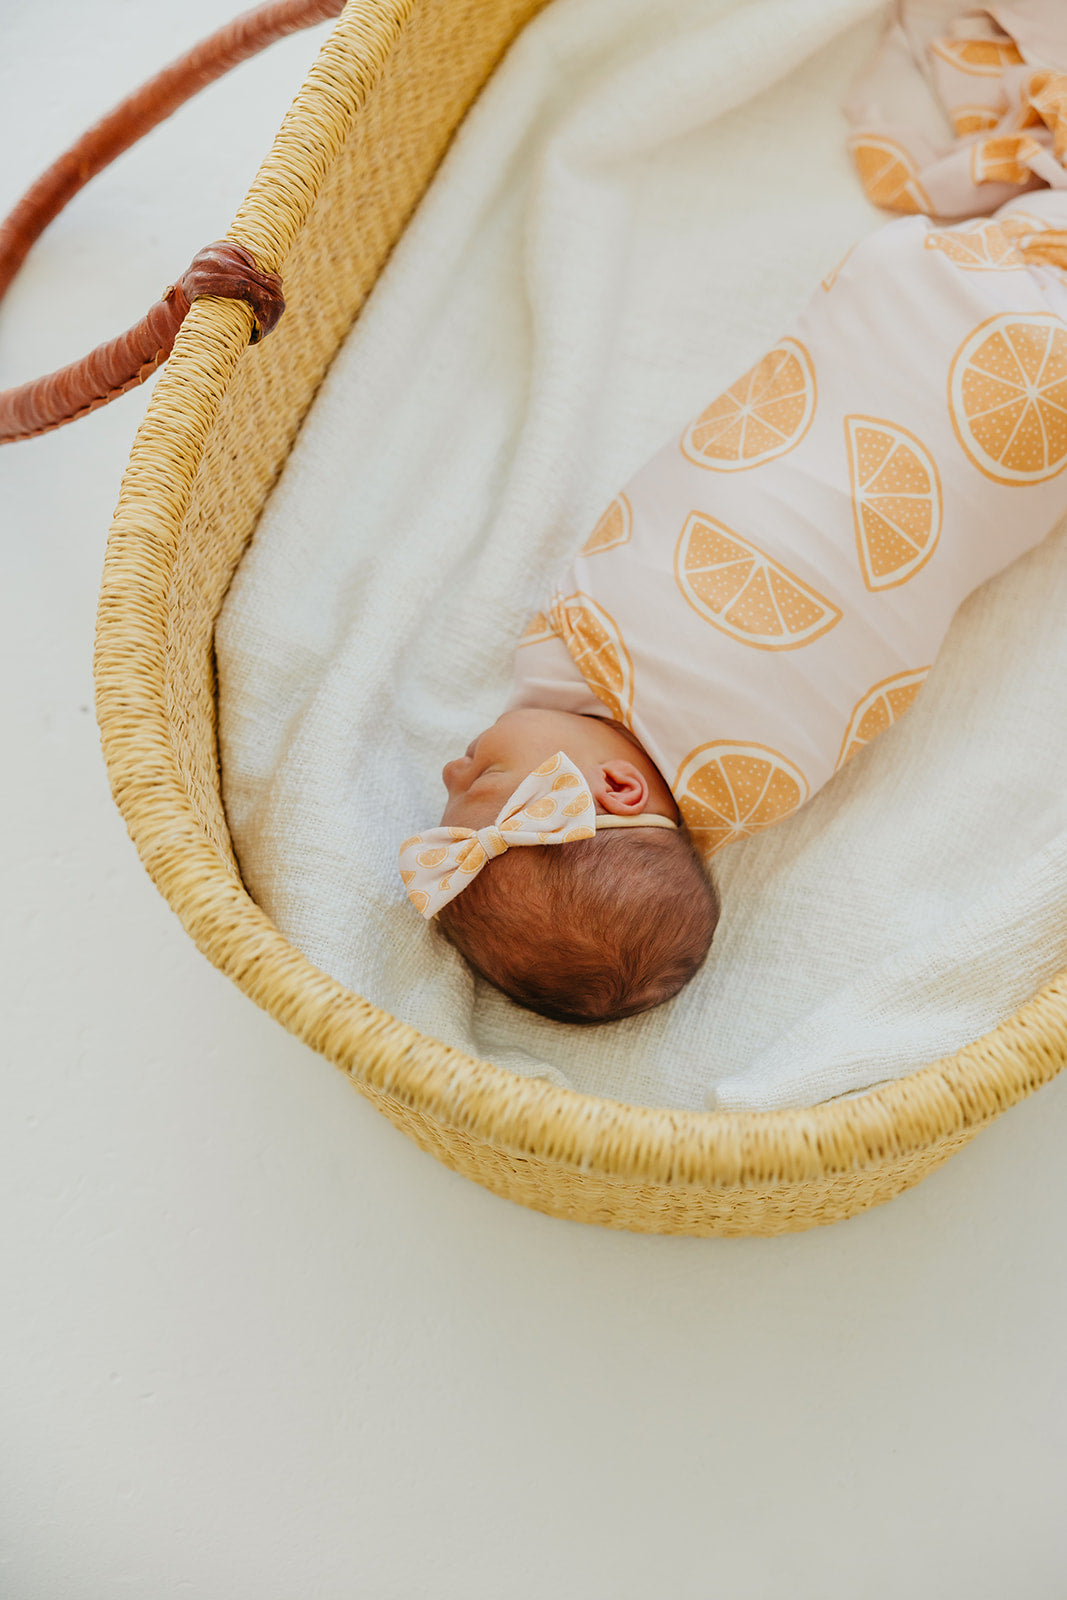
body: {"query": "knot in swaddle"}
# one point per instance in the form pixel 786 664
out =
pixel 996 76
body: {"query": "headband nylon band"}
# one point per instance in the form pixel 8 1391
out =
pixel 650 820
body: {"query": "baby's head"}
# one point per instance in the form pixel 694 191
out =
pixel 595 929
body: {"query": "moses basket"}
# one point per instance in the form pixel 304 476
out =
pixel 352 159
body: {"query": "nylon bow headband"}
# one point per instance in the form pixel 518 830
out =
pixel 552 806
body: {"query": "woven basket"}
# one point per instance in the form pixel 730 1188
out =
pixel 353 156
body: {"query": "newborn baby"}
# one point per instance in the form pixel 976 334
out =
pixel 765 596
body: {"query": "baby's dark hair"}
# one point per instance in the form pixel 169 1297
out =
pixel 590 931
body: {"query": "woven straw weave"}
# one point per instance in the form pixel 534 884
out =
pixel 351 160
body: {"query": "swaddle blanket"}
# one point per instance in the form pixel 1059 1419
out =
pixel 963 106
pixel 770 589
pixel 639 205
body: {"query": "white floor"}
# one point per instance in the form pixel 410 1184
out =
pixel 254 1343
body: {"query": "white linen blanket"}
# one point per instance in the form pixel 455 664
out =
pixel 642 199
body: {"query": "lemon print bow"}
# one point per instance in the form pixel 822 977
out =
pixel 552 806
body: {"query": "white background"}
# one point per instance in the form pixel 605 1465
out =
pixel 253 1342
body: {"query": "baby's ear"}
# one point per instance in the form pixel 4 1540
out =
pixel 622 789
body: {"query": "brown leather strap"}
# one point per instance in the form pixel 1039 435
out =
pixel 109 370
pixel 128 360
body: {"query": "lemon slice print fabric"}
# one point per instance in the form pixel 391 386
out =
pixel 763 415
pixel 729 790
pixel 1007 395
pixel 746 593
pixel 896 500
pixel 597 648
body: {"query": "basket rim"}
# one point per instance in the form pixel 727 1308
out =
pixel 526 1117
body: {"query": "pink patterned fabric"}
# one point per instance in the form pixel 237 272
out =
pixel 769 591
pixel 963 107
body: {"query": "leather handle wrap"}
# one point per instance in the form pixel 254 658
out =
pixel 124 362
pixel 222 268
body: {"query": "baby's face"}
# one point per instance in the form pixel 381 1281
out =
pixel 497 761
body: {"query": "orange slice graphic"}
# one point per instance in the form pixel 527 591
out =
pixel 761 416
pixel 744 592
pixel 727 790
pixel 980 247
pixel 1007 396
pixel 879 708
pixel 614 527
pixel 1028 116
pixel 1048 246
pixel 1003 159
pixel 888 174
pixel 598 651
pixel 896 500
pixel 1035 239
pixel 981 58
pixel 1047 93
pixel 968 119
pixel 1016 224
pixel 538 629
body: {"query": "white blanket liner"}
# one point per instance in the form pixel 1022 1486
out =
pixel 642 199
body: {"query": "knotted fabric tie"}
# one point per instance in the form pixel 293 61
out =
pixel 553 805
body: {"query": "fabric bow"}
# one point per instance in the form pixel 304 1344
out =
pixel 552 806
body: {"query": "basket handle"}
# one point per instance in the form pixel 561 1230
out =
pixel 223 268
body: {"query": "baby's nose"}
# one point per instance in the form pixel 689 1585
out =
pixel 451 770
